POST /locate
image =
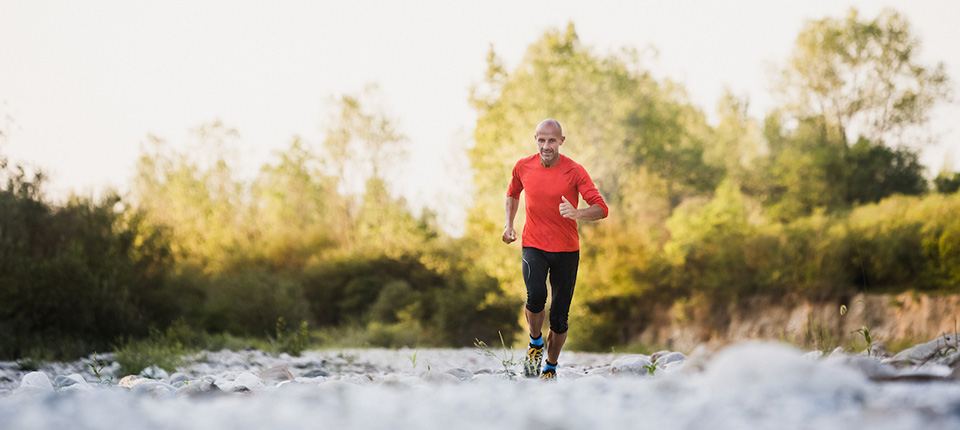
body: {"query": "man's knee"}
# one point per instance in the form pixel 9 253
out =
pixel 535 306
pixel 558 324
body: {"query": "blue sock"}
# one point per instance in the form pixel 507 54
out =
pixel 550 366
pixel 536 342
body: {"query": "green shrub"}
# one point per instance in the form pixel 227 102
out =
pixel 292 342
pixel 157 350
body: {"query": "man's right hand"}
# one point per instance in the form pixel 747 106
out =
pixel 509 235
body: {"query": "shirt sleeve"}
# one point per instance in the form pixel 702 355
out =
pixel 516 186
pixel 590 193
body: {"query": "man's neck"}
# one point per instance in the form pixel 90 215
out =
pixel 555 162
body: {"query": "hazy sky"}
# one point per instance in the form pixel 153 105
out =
pixel 82 84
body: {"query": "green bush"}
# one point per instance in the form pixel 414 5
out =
pixel 157 350
pixel 75 277
pixel 290 341
pixel 249 302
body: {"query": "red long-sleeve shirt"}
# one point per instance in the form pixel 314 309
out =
pixel 545 228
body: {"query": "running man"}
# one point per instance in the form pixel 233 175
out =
pixel 551 243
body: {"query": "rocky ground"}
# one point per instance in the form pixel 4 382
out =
pixel 747 385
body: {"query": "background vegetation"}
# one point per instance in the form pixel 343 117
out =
pixel 823 197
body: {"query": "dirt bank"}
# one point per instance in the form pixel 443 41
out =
pixel 897 320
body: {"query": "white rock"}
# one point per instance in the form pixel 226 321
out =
pixel 36 379
pixel 61 382
pixel 460 373
pixel 435 377
pixel 672 357
pixel 870 367
pixel 130 381
pixel 276 374
pixel 249 381
pixel 924 352
pixel 154 388
pixel 178 378
pixel 199 388
pixel 838 351
pixel 632 364
pixel 77 388
pixel 34 383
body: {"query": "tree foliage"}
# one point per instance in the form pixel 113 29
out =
pixel 862 77
pixel 75 277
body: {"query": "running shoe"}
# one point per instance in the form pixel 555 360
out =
pixel 549 375
pixel 531 362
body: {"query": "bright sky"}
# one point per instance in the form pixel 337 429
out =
pixel 82 84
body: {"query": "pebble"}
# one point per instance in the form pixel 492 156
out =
pixel 636 364
pixel 34 383
pixel 276 374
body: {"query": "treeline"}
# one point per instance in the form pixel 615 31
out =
pixel 199 249
pixel 823 197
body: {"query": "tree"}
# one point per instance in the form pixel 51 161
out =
pixel 849 80
pixel 362 142
pixel 298 213
pixel 877 172
pixel 947 183
pixel 737 142
pixel 806 169
pixel 197 195
pixel 862 77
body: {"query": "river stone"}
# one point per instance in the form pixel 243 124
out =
pixel 153 388
pixel 316 373
pixel 200 388
pixel 34 383
pixel 870 367
pixel 36 379
pixel 925 352
pixel 249 381
pixel 838 351
pixel 435 377
pixel 130 381
pixel 178 378
pixel 77 388
pixel 656 355
pixel 276 374
pixel 79 384
pixel 672 357
pixel 632 364
pixel 951 360
pixel 461 374
pixel 61 382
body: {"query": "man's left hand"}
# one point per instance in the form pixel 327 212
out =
pixel 567 210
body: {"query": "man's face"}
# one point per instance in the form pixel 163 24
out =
pixel 548 141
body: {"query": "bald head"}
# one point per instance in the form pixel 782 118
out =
pixel 549 137
pixel 549 123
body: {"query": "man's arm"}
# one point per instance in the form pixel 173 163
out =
pixel 592 213
pixel 509 234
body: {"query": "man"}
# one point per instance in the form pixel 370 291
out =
pixel 551 243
